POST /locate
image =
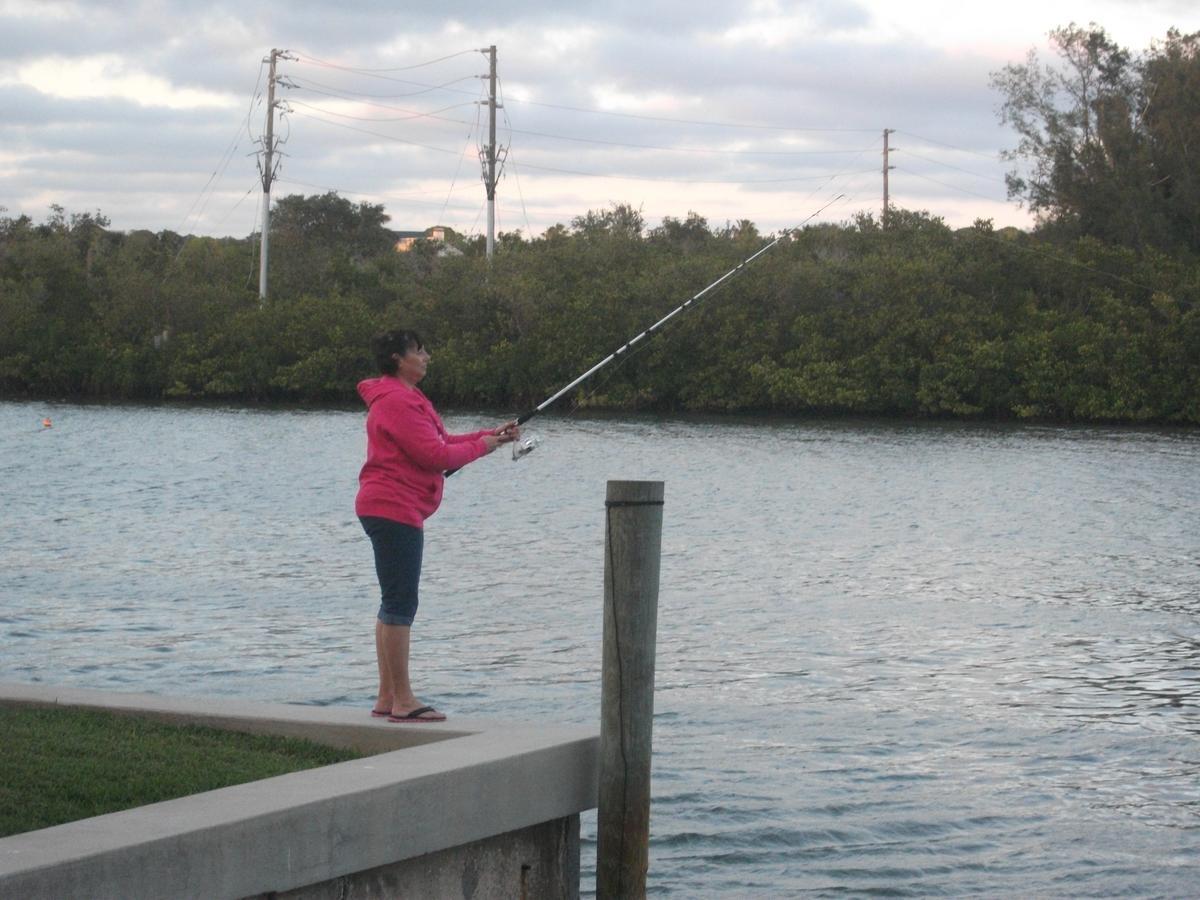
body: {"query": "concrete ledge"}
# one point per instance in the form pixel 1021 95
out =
pixel 541 861
pixel 429 788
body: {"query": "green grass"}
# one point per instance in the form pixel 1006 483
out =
pixel 58 765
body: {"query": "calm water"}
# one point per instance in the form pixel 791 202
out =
pixel 907 660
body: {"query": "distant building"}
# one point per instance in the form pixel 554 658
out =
pixel 406 239
pixel 437 234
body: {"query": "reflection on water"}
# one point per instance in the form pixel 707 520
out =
pixel 914 660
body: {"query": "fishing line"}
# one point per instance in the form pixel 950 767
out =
pixel 528 445
pixel 634 341
pixel 586 395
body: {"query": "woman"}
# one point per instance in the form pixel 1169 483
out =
pixel 400 486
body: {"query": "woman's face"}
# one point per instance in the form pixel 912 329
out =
pixel 411 366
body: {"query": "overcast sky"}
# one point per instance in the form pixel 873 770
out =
pixel 151 111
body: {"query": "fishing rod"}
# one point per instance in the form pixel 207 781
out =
pixel 633 342
pixel 527 446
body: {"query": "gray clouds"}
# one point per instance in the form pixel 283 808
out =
pixel 138 108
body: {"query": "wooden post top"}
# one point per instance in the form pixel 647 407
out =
pixel 634 493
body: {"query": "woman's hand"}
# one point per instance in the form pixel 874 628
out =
pixel 503 434
pixel 508 432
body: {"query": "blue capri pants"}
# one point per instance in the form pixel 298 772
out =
pixel 398 564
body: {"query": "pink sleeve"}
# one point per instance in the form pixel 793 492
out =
pixel 472 436
pixel 414 431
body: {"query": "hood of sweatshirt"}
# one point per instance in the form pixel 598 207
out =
pixel 371 389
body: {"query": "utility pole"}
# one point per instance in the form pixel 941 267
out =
pixel 489 175
pixel 886 168
pixel 268 173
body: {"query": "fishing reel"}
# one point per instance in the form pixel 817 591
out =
pixel 525 446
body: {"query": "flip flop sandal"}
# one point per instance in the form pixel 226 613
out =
pixel 418 715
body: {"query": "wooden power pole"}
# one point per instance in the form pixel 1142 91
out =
pixel 268 173
pixel 886 169
pixel 489 174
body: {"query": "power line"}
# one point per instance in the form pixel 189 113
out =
pixel 842 174
pixel 944 184
pixel 412 115
pixel 683 180
pixel 563 137
pixel 521 197
pixel 938 162
pixel 402 200
pixel 304 82
pixel 217 173
pixel 377 134
pixel 255 95
pixel 705 150
pixel 241 199
pixel 369 100
pixel 516 176
pixel 987 156
pixel 364 71
pixel 385 195
pixel 458 168
pixel 408 116
pixel 604 112
pixel 375 73
pixel 223 163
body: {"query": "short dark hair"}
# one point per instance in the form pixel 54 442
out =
pixel 389 342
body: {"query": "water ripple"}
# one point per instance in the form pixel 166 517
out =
pixel 892 660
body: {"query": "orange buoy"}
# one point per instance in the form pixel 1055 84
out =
pixel 46 422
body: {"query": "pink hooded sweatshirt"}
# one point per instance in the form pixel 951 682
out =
pixel 408 450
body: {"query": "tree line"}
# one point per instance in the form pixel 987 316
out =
pixel 1083 319
pixel 1109 139
pixel 917 319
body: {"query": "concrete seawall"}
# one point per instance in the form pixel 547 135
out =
pixel 466 808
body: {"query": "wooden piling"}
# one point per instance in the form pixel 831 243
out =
pixel 632 551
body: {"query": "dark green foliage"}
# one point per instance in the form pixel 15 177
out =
pixel 59 765
pixel 318 239
pixel 913 320
pixel 1108 139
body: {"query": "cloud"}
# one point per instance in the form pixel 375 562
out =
pixel 112 75
pixel 751 110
